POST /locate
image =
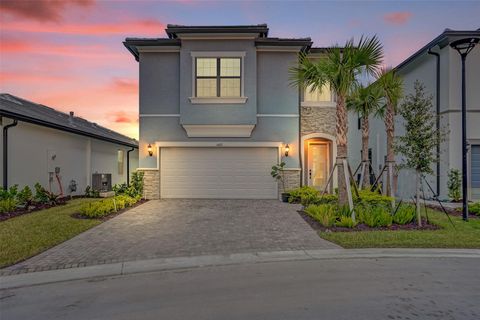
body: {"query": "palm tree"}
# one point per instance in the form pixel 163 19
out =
pixel 340 68
pixel 391 86
pixel 365 101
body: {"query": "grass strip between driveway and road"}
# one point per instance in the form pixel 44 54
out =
pixel 27 235
pixel 463 235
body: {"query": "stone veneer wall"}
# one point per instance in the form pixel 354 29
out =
pixel 151 183
pixel 292 180
pixel 318 120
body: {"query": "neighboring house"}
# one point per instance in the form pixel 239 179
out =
pixel 60 151
pixel 422 66
pixel 218 111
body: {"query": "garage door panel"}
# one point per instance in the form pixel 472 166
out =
pixel 229 173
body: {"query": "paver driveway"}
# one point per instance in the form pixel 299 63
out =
pixel 173 228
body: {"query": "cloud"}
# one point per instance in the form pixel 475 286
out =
pixel 397 18
pixel 124 117
pixel 41 10
pixel 142 26
pixel 34 47
pixel 19 77
pixel 124 86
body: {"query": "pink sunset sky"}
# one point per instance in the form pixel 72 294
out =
pixel 69 54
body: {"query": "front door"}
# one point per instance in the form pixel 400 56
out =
pixel 318 164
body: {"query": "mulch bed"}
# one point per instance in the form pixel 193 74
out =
pixel 112 215
pixel 21 211
pixel 362 227
pixel 457 212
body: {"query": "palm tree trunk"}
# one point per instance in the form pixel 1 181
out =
pixel 342 131
pixel 365 133
pixel 390 131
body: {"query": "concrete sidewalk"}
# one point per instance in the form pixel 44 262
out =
pixel 165 264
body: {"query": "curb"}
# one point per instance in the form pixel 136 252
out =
pixel 166 264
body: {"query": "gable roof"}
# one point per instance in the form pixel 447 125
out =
pixel 27 111
pixel 442 41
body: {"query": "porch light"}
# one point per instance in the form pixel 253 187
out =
pixel 287 150
pixel 150 150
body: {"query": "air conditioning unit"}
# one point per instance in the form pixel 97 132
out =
pixel 102 182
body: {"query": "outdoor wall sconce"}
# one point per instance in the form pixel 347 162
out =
pixel 150 150
pixel 287 150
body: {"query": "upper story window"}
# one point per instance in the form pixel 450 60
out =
pixel 218 77
pixel 318 97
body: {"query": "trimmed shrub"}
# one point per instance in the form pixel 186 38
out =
pixel 374 216
pixel 372 198
pixel 325 214
pixel 454 184
pixel 8 205
pixel 297 194
pixel 25 197
pixel 405 214
pixel 104 207
pixel 474 208
pixel 346 222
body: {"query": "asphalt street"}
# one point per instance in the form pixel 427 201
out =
pixel 357 288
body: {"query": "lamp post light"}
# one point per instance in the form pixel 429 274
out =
pixel 464 46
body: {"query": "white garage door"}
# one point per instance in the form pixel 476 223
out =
pixel 217 173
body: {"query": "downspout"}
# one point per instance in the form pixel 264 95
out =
pixel 128 166
pixel 437 102
pixel 5 152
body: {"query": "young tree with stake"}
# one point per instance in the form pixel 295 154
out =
pixel 421 137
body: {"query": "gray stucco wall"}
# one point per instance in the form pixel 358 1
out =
pixel 423 69
pixel 266 86
pixel 31 147
pixel 223 114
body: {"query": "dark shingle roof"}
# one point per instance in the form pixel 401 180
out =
pixel 27 111
pixel 442 40
pixel 173 29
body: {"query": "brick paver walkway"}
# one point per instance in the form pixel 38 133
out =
pixel 174 228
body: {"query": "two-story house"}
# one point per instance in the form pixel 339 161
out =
pixel 438 67
pixel 217 111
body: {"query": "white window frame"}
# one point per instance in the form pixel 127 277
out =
pixel 331 103
pixel 219 100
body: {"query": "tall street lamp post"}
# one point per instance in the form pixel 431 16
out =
pixel 464 46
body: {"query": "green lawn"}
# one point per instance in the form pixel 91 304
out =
pixel 25 236
pixel 466 235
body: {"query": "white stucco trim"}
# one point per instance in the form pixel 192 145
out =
pixel 219 131
pixel 219 36
pixel 321 136
pixel 219 54
pixel 295 49
pixel 218 100
pixel 292 169
pixel 277 115
pixel 219 144
pixel 330 104
pixel 143 49
pixel 146 115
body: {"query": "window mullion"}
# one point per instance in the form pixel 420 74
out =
pixel 218 77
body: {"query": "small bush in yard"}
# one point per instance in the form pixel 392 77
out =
pixel 8 199
pixel 374 216
pixel 405 214
pixel 454 185
pixel 102 208
pixel 325 214
pixel 373 198
pixel 305 192
pixel 346 222
pixel 25 197
pixel 474 208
